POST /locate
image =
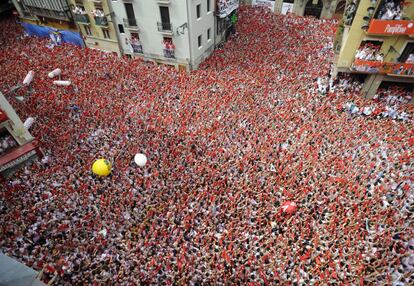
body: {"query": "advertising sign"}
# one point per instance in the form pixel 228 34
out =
pixel 391 27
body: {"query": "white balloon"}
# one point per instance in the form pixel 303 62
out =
pixel 29 77
pixel 140 159
pixel 55 72
pixel 62 82
pixel 28 123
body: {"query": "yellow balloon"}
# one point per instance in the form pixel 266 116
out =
pixel 101 167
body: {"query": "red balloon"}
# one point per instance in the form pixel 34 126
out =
pixel 289 207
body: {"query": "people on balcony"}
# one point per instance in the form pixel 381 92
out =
pixel 98 13
pixel 391 10
pixel 6 143
pixel 410 59
pixel 369 52
pixel 79 11
pixel 136 46
pixel 350 12
pixel 169 48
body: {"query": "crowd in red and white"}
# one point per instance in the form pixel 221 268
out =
pixel 392 10
pixel 369 52
pixel 254 176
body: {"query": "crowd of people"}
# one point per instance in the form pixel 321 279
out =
pixel 370 52
pixel 227 146
pixel 391 10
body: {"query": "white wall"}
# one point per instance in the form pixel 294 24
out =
pixel 199 27
pixel 147 13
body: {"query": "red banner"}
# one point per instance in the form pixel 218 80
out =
pixel 383 67
pixel 391 27
pixel 3 116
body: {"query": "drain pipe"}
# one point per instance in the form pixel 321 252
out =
pixel 189 37
pixel 115 26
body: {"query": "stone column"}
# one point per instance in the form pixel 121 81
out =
pixel 278 6
pixel 372 84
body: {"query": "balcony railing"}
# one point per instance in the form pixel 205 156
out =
pixel 137 48
pixel 164 27
pixel 81 18
pixel 169 53
pixel 395 69
pixel 131 23
pixel 101 21
pixel 63 14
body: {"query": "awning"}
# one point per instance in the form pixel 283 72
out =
pixel 14 273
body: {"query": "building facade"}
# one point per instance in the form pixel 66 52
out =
pixel 375 39
pixel 176 32
pixel 95 21
pixel 17 144
pixel 51 13
pixel 317 8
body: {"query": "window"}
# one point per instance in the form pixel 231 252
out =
pixel 199 41
pixel 130 14
pixel 165 14
pixel 87 30
pixel 198 11
pixel 121 28
pixel 208 34
pixel 208 6
pixel 106 33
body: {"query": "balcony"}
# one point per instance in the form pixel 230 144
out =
pixel 137 48
pixel 165 2
pixel 101 21
pixel 169 53
pixel 63 15
pixel 391 69
pixel 131 24
pixel 165 28
pixel 81 18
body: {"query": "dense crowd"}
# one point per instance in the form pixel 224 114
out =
pixel 261 123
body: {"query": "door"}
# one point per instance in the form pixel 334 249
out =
pixel 165 18
pixel 130 14
pixel 314 10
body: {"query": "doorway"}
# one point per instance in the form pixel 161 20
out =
pixel 312 9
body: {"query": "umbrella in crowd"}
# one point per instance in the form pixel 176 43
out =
pixel 229 147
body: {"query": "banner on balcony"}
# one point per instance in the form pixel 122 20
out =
pixel 391 27
pixel 265 3
pixel 406 69
pixel 45 32
pixel 287 8
pixel 225 7
pixel 136 46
